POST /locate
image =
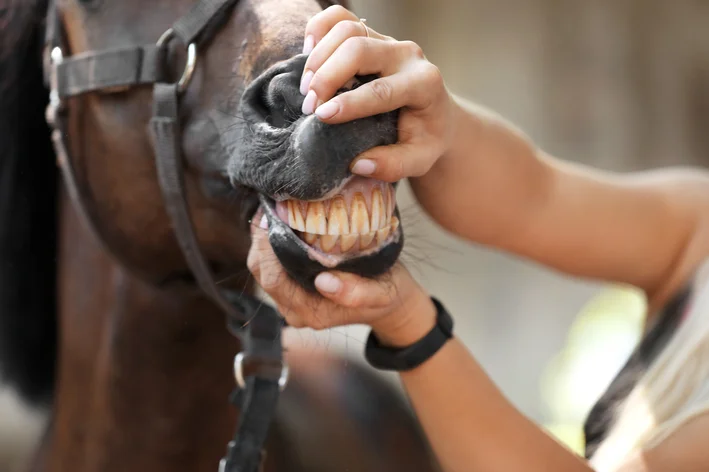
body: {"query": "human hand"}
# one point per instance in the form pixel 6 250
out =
pixel 340 47
pixel 397 308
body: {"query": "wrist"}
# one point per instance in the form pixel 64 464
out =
pixel 407 325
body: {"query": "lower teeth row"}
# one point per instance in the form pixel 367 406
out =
pixel 347 242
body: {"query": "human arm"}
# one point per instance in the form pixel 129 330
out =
pixel 649 229
pixel 484 180
pixel 468 421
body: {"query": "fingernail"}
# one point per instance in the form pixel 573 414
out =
pixel 264 222
pixel 327 110
pixel 309 103
pixel 309 44
pixel 327 282
pixel 305 81
pixel 364 167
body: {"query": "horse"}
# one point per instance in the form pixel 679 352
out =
pixel 112 307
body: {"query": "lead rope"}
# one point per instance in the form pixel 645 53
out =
pixel 259 370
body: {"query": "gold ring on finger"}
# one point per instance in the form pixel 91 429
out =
pixel 364 23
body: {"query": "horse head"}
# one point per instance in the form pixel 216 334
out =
pixel 245 144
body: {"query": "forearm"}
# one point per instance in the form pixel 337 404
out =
pixel 502 192
pixel 471 426
pixel 469 423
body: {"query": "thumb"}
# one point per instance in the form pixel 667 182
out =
pixel 352 291
pixel 395 162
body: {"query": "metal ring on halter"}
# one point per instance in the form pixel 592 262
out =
pixel 364 23
pixel 55 102
pixel 189 65
pixel 239 372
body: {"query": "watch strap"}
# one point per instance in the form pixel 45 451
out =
pixel 410 357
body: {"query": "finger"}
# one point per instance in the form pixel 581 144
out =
pixel 397 161
pixel 362 56
pixel 352 291
pixel 334 38
pixel 319 25
pixel 262 261
pixel 258 235
pixel 293 320
pixel 272 275
pixel 414 86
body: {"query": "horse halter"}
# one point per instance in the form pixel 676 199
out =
pixel 256 324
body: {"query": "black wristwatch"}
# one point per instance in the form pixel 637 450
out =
pixel 407 358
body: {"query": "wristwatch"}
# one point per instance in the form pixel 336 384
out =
pixel 407 358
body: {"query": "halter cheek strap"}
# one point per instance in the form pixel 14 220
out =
pixel 259 369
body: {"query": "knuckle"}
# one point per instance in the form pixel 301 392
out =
pixel 382 90
pixel 348 28
pixel 293 320
pixel 429 86
pixel 322 82
pixel 269 285
pixel 352 300
pixel 337 10
pixel 314 22
pixel 354 47
pixel 320 20
pixel 413 49
pixel 252 262
pixel 431 75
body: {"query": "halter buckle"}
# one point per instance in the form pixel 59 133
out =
pixel 55 102
pixel 191 63
pixel 239 372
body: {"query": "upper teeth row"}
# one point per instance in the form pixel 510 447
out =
pixel 339 221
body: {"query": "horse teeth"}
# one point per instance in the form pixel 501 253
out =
pixel 366 239
pixel 383 234
pixel 359 218
pixel 379 211
pixel 327 242
pixel 338 220
pixel 394 224
pixel 316 221
pixel 310 238
pixel 295 217
pixel 347 241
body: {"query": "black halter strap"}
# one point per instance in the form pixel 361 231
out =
pixel 259 369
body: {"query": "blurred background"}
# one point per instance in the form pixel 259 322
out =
pixel 620 85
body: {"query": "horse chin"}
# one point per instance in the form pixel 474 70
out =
pixel 304 255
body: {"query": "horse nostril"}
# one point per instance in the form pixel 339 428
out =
pixel 283 100
pixel 274 96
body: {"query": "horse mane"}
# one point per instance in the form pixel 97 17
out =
pixel 28 212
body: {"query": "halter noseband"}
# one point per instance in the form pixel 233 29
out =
pixel 256 324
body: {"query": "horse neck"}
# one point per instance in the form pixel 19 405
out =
pixel 144 373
